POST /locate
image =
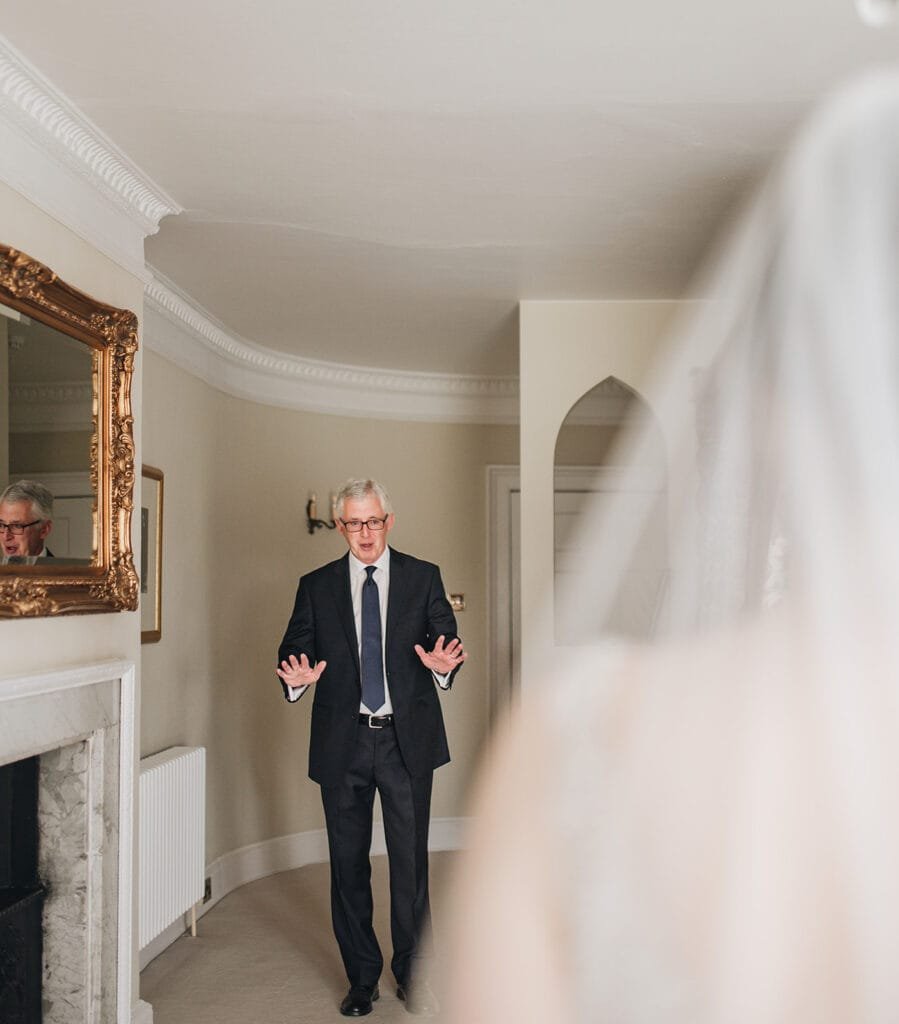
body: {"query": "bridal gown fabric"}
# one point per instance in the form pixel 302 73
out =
pixel 700 825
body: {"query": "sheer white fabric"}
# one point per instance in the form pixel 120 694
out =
pixel 730 789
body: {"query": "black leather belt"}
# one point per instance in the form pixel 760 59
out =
pixel 376 721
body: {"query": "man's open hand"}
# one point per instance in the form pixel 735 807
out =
pixel 442 660
pixel 300 673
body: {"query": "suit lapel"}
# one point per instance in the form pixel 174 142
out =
pixel 398 594
pixel 340 586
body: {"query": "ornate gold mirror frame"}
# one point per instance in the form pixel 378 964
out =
pixel 109 583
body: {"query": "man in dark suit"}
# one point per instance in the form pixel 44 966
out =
pixel 373 632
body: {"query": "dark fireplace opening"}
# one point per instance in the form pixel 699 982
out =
pixel 21 895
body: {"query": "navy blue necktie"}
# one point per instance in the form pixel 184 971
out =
pixel 372 659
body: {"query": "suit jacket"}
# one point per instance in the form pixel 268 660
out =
pixel 323 628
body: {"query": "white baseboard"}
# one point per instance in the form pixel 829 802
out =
pixel 284 853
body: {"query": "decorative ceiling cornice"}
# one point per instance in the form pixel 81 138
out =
pixel 51 407
pixel 242 368
pixel 56 157
pixel 50 148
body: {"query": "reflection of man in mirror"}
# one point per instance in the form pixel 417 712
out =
pixel 26 517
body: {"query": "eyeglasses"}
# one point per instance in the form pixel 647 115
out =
pixel 17 529
pixel 355 525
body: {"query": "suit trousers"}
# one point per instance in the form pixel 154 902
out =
pixel 377 765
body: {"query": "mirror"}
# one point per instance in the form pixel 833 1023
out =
pixel 66 364
pixel 50 426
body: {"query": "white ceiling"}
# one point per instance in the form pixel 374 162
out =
pixel 379 184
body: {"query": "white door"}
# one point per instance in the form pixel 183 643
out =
pixel 73 527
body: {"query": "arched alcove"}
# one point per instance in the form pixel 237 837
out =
pixel 589 472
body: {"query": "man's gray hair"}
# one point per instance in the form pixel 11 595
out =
pixel 356 490
pixel 36 494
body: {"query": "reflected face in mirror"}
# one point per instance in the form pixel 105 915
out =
pixel 22 533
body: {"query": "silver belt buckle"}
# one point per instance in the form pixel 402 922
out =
pixel 371 725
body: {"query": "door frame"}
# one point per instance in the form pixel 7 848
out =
pixel 502 602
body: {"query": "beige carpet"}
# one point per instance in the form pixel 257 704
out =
pixel 266 954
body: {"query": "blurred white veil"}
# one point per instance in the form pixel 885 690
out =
pixel 781 400
pixel 736 857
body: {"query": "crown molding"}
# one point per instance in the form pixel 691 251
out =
pixel 58 159
pixel 51 407
pixel 52 154
pixel 179 330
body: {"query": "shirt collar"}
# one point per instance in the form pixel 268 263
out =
pixel 382 563
pixel 4 560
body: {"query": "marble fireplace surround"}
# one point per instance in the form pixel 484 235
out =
pixel 81 723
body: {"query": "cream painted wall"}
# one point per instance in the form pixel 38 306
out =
pixel 584 445
pixel 35 645
pixel 64 451
pixel 237 476
pixel 565 349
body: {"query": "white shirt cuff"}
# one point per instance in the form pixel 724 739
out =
pixel 295 692
pixel 443 681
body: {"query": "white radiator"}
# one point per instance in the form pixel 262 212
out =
pixel 172 837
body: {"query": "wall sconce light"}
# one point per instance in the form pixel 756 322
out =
pixel 312 523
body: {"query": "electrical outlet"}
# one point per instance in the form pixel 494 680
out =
pixel 207 890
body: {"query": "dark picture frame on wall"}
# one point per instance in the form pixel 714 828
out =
pixel 151 554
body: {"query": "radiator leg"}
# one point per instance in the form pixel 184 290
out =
pixel 193 921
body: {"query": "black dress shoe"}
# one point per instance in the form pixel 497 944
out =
pixel 358 1001
pixel 419 998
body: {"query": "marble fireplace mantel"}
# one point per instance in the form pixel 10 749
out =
pixel 81 723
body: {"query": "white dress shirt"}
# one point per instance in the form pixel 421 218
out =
pixel 381 576
pixel 24 559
